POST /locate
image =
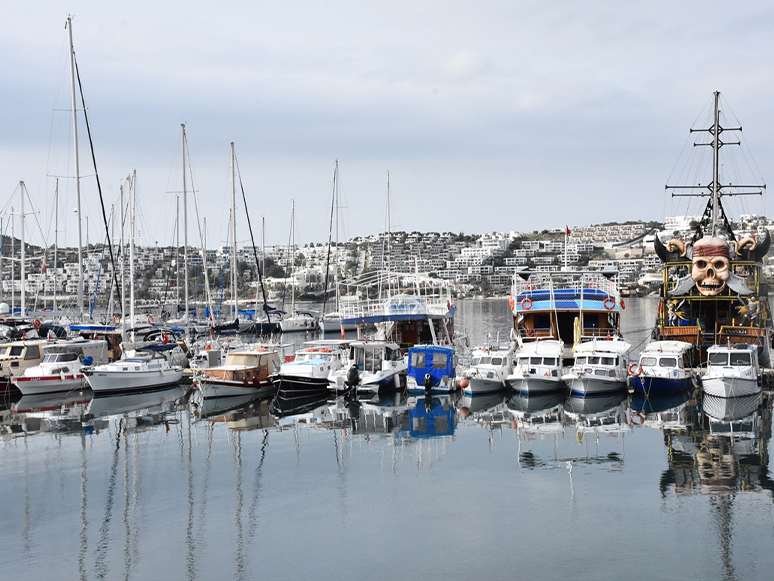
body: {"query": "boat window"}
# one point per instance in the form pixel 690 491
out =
pixel 50 358
pixel 486 360
pixel 667 362
pixel 718 358
pixel 16 351
pixel 608 361
pixel 358 355
pixel 524 361
pixel 580 361
pixel 476 361
pixel 594 360
pixel 740 359
pixel 396 355
pixel 611 373
pixel 2 350
pixel 418 359
pixel 497 360
pixel 535 360
pixel 601 372
pixel 33 352
pixel 439 360
pixel 549 360
pixel 648 361
pixel 239 375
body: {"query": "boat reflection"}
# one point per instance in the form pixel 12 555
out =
pixel 431 416
pixel 674 411
pixel 58 413
pixel 538 414
pixel 605 413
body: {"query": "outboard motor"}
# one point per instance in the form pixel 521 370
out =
pixel 428 382
pixel 353 376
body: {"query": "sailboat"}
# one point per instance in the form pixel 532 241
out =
pixel 135 370
pixel 298 320
pixel 713 291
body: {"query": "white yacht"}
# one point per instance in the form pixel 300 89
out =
pixel 732 371
pixel 299 321
pixel 537 367
pixel 133 372
pixel 61 368
pixel 312 366
pixel 600 367
pixel 489 369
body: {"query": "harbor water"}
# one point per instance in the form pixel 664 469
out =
pixel 167 486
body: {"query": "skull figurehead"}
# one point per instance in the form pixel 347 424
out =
pixel 711 265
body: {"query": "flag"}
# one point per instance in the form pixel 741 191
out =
pixel 567 229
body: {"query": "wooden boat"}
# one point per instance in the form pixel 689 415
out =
pixel 245 372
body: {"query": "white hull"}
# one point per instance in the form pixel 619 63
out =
pixel 48 383
pixel 294 324
pixel 448 387
pixel 334 326
pixel 534 385
pixel 478 385
pixel 212 389
pixel 730 386
pixel 595 385
pixel 114 381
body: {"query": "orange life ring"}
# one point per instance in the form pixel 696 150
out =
pixel 116 319
pixel 150 319
pixel 632 367
pixel 526 303
pixel 208 347
pixel 511 304
pixel 636 415
pixel 609 303
pixel 36 323
pixel 623 304
pixel 530 286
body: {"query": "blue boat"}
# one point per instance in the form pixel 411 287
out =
pixel 431 368
pixel 663 368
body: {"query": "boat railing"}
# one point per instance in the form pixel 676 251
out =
pixel 438 305
pixel 563 281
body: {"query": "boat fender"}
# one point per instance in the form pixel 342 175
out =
pixel 635 369
pixel 609 303
pixel 36 323
pixel 463 383
pixel 623 304
pixel 526 303
pixel 208 347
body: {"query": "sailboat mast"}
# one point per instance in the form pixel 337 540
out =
pixel 177 256
pixel 389 282
pixel 131 251
pixel 292 253
pixel 185 227
pixel 336 214
pixel 715 164
pixel 77 167
pixel 13 258
pixel 123 267
pixel 23 255
pixel 56 239
pixel 233 234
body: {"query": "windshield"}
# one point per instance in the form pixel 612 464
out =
pixel 718 358
pixel 741 359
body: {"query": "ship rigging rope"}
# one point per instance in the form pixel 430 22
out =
pixel 96 174
pixel 252 241
pixel 328 258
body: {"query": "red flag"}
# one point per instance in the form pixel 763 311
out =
pixel 567 229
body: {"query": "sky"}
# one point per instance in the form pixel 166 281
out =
pixel 493 116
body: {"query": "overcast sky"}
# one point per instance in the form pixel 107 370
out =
pixel 490 116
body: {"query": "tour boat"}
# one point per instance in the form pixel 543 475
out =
pixel 431 368
pixel 313 365
pixel 61 368
pixel 732 371
pixel 489 369
pixel 663 368
pixel 245 372
pixel 537 367
pixel 600 367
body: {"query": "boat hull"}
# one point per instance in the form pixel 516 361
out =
pixel 535 385
pixel 660 385
pixel 48 383
pixel 118 381
pixel 480 385
pixel 300 384
pixel 730 386
pixel 224 388
pixel 583 386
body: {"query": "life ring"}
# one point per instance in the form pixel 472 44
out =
pixel 526 303
pixel 511 303
pixel 635 366
pixel 623 304
pixel 609 303
pixel 36 323
pixel 638 415
pixel 116 319
pixel 530 286
pixel 150 319
pixel 448 306
pixel 208 347
pixel 530 332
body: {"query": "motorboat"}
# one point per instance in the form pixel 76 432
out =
pixel 600 367
pixel 732 371
pixel 663 368
pixel 537 367
pixel 299 321
pixel 431 368
pixel 61 368
pixel 245 372
pixel 133 372
pixel 17 356
pixel 376 365
pixel 490 366
pixel 313 365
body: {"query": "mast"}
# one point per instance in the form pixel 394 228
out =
pixel 131 250
pixel 77 167
pixel 185 227
pixel 291 253
pixel 177 256
pixel 123 267
pixel 23 254
pixel 336 214
pixel 13 259
pixel 715 156
pixel 389 282
pixel 233 234
pixel 56 239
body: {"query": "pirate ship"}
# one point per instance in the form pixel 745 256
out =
pixel 713 291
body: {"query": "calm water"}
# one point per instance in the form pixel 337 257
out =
pixel 165 486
